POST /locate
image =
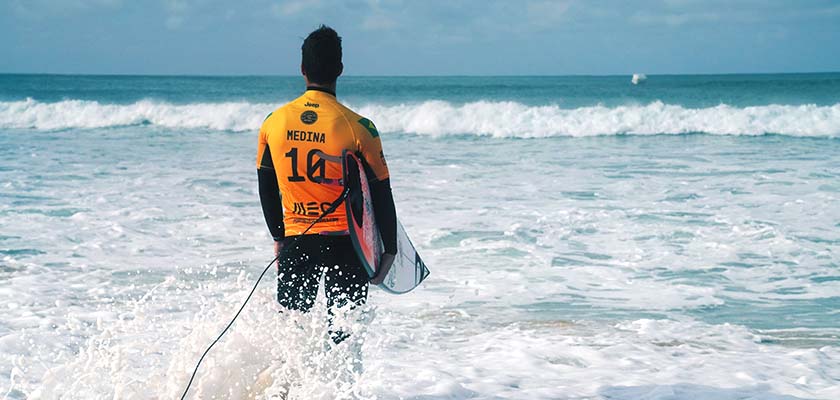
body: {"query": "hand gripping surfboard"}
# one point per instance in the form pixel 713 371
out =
pixel 408 269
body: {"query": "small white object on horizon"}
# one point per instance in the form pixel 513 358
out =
pixel 638 78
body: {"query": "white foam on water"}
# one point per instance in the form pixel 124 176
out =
pixel 550 359
pixel 414 350
pixel 435 117
pixel 670 267
pixel 150 349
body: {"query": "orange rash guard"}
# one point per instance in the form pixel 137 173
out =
pixel 290 141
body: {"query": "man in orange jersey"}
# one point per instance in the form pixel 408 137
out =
pixel 296 172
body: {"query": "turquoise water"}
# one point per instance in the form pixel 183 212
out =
pixel 588 238
pixel 568 91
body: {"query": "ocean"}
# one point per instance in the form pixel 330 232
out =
pixel 587 239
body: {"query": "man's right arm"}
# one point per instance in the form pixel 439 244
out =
pixel 270 198
pixel 385 213
pixel 386 219
pixel 370 146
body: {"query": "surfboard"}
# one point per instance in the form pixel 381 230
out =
pixel 408 269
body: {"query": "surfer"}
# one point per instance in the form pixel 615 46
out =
pixel 297 176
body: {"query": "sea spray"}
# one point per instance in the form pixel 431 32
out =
pixel 292 349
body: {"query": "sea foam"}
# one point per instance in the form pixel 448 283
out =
pixel 438 118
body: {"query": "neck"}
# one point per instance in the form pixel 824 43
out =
pixel 329 88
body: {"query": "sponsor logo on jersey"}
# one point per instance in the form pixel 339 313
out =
pixel 313 105
pixel 308 117
pixel 311 208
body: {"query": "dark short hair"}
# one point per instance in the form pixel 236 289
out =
pixel 322 55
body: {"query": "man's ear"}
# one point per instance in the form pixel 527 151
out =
pixel 302 70
pixel 340 68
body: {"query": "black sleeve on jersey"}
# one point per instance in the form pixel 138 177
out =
pixel 385 213
pixel 270 199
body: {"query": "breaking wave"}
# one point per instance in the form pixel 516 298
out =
pixel 83 114
pixel 509 119
pixel 483 118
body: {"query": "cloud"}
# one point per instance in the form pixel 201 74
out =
pixel 673 19
pixel 378 22
pixel 176 10
pixel 174 22
pixel 379 18
pixel 293 7
pixel 37 9
pixel 547 13
pixel 180 11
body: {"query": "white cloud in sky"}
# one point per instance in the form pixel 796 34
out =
pixel 547 12
pixel 293 7
pixel 673 19
pixel 379 18
pixel 36 9
pixel 179 12
pixel 378 22
pixel 176 10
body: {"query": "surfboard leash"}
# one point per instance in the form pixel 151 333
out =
pixel 328 211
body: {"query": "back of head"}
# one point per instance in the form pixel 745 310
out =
pixel 322 55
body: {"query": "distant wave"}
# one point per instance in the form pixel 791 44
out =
pixel 483 118
pixel 510 119
pixel 83 114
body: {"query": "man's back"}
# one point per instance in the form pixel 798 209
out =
pixel 293 140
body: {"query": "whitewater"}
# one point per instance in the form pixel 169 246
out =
pixel 588 239
pixel 483 118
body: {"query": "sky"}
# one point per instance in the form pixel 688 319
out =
pixel 431 37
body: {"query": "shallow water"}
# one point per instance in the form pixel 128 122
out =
pixel 610 266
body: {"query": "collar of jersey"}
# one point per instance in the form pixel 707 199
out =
pixel 320 89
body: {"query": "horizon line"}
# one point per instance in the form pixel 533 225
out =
pixel 202 75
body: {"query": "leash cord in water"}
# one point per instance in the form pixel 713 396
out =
pixel 332 208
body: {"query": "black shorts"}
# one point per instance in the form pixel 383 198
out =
pixel 301 265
